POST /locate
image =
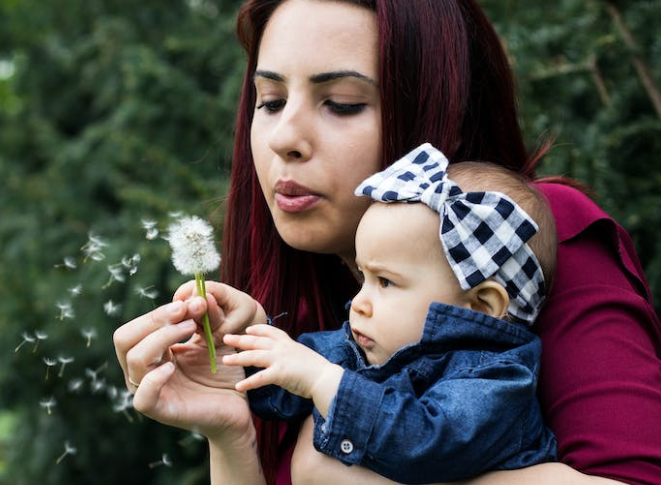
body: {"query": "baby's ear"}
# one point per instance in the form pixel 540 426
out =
pixel 489 297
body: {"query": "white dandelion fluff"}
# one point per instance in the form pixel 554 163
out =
pixel 194 253
pixel 66 310
pixel 193 248
pixel 63 363
pixel 27 339
pixel 111 308
pixel 68 450
pixel 48 404
pixel 151 231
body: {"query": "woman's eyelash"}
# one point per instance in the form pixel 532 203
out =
pixel 337 108
pixel 272 106
pixel 345 108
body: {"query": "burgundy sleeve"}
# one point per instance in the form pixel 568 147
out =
pixel 600 382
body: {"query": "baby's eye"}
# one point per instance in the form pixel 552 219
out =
pixel 272 106
pixel 345 109
pixel 384 282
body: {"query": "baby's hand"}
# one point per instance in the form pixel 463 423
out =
pixel 286 363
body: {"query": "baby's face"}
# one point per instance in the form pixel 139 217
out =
pixel 400 256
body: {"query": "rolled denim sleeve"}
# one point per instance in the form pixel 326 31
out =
pixel 479 419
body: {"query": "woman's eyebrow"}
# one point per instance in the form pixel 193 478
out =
pixel 320 78
pixel 274 76
pixel 333 75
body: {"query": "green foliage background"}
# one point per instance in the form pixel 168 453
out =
pixel 112 112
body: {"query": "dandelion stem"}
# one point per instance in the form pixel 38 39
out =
pixel 201 290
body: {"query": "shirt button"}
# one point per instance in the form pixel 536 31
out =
pixel 346 446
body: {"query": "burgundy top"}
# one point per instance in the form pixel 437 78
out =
pixel 600 382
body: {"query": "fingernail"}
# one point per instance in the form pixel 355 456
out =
pixel 174 307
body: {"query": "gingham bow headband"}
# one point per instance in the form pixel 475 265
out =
pixel 483 234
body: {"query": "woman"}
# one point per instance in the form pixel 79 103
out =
pixel 332 93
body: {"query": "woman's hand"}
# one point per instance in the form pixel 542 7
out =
pixel 172 381
pixel 238 310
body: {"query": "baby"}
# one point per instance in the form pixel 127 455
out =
pixel 433 378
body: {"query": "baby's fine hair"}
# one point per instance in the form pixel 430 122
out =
pixel 486 176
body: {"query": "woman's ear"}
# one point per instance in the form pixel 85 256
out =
pixel 489 297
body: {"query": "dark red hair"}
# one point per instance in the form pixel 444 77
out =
pixel 444 79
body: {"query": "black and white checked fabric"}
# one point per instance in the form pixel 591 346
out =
pixel 483 234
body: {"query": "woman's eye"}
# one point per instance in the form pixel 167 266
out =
pixel 345 109
pixel 272 106
pixel 384 282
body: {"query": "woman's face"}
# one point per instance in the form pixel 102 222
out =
pixel 316 132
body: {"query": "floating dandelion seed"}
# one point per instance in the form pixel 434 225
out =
pixel 39 336
pixel 123 403
pixel 191 438
pixel 93 248
pixel 68 450
pixel 194 253
pixel 131 263
pixel 75 385
pixel 111 309
pixel 27 339
pixel 151 231
pixel 89 334
pixel 49 363
pixel 165 461
pixel 63 362
pixel 48 404
pixel 76 291
pixel 66 310
pixel 98 386
pixel 116 274
pixel 68 263
pixel 147 292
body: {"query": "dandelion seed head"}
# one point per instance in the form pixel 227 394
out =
pixel 193 248
pixel 49 362
pixel 76 290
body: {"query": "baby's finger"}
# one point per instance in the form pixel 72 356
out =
pixel 263 330
pixel 260 379
pixel 249 358
pixel 248 342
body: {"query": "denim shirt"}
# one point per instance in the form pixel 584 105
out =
pixel 456 404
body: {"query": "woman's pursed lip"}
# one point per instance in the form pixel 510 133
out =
pixel 291 189
pixel 293 197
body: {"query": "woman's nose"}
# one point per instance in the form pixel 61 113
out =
pixel 291 135
pixel 361 304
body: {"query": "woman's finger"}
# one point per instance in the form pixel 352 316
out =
pixel 130 334
pixel 147 394
pixel 152 350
